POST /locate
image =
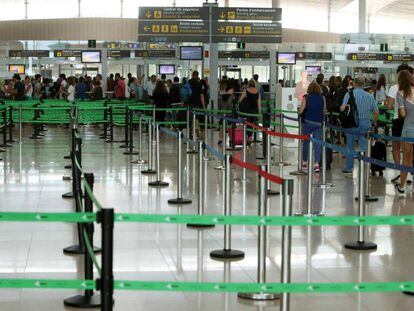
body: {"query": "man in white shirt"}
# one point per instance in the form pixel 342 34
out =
pixel 397 124
pixel 150 86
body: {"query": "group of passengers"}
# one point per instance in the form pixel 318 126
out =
pixel 367 96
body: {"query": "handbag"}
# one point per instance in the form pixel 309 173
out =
pixel 348 118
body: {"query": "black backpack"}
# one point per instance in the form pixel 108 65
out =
pixel 349 117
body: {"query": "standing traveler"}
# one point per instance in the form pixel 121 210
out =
pixel 313 109
pixel 160 100
pixel 28 88
pixel 251 102
pixel 365 105
pixel 380 90
pixel 119 87
pixel 150 86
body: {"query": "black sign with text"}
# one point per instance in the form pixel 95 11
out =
pixel 28 53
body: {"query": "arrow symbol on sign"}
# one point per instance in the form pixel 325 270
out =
pixel 146 28
pixel 148 15
pixel 222 15
pixel 221 29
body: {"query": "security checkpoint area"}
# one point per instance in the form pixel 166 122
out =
pixel 207 155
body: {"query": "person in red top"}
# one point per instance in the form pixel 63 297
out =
pixel 119 87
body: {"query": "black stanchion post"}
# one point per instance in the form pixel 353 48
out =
pixel 126 132
pixel 88 299
pixel 268 167
pixel 227 253
pixel 111 125
pixel 130 150
pixel 4 117
pixel 149 170
pixel 105 124
pixel 180 200
pixel 70 195
pixel 140 161
pixel 106 283
pixel 11 125
pixel 361 244
pixel 193 150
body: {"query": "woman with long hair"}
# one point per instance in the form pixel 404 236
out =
pixel 380 90
pixel 161 99
pixel 405 102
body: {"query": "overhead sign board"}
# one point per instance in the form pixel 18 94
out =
pixel 247 14
pixel 244 54
pixel 173 31
pixel 118 53
pixel 381 57
pixel 28 53
pixel 67 53
pixel 155 53
pixel 313 56
pixel 174 13
pixel 247 32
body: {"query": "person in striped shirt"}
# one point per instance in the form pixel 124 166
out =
pixel 366 106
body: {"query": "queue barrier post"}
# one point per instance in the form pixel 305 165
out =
pixel 222 166
pixel 201 189
pixel 262 243
pixel 268 167
pixel 324 184
pixel 187 130
pixel 299 171
pixel 106 283
pixel 126 129
pixel 192 150
pixel 180 200
pixel 11 125
pixel 70 195
pixel 368 197
pixel 111 125
pixel 4 129
pixel 206 157
pixel 361 243
pixel 158 182
pixel 88 299
pixel 104 134
pixel 130 145
pixel 227 253
pixel 244 177
pixel 140 161
pixel 150 170
pixel 287 191
pixel 282 143
pixel 309 198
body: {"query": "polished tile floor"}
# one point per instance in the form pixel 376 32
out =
pixel 31 180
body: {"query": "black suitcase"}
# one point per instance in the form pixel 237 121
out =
pixel 379 152
pixel 181 116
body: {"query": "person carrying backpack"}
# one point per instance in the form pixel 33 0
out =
pixel 186 92
pixel 365 105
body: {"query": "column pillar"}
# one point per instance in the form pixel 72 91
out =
pixel 362 16
pixel 104 73
pixel 275 4
pixel 79 8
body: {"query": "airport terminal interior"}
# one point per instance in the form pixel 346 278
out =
pixel 206 155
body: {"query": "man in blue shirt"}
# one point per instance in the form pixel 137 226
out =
pixel 366 105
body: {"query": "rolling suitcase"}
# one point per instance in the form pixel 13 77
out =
pixel 379 152
pixel 238 136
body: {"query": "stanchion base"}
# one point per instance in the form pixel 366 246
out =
pixel 68 157
pixel 325 186
pixel 220 168
pixel 35 137
pixel 281 164
pixel 123 146
pixel 179 201
pixel 148 172
pixel 139 162
pixel 11 141
pixel 84 302
pixel 68 167
pixel 158 183
pixel 78 250
pixel 272 192
pixel 361 246
pixel 408 293
pixel 369 198
pixel 130 153
pixel 298 173
pixel 207 159
pixel 66 178
pixel 5 146
pixel 260 158
pixel 68 195
pixel 227 254
pixel 109 141
pixel 192 151
pixel 199 226
pixel 2 150
pixel 259 296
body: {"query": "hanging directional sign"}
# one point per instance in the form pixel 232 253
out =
pixel 247 14
pixel 173 31
pixel 155 53
pixel 67 53
pixel 247 32
pixel 244 54
pixel 313 56
pixel 28 53
pixel 118 53
pixel 173 13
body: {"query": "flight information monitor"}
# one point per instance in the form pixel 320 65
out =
pixel 191 52
pixel 286 58
pixel 167 69
pixel 91 57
